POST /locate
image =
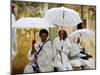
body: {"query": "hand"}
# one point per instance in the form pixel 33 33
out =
pixel 33 50
pixel 33 42
pixel 83 48
pixel 33 47
pixel 89 56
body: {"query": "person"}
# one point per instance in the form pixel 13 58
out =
pixel 13 16
pixel 79 52
pixel 40 54
pixel 13 35
pixel 76 48
pixel 62 48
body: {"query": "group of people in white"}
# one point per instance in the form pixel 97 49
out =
pixel 63 55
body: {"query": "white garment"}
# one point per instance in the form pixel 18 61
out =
pixel 75 62
pixel 75 50
pixel 88 64
pixel 13 20
pixel 28 69
pixel 63 64
pixel 75 53
pixel 45 57
pixel 14 40
pixel 14 43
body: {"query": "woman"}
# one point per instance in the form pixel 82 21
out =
pixel 79 52
pixel 62 48
pixel 43 51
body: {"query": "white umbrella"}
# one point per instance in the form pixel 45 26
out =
pixel 63 17
pixel 82 33
pixel 26 23
pixel 32 23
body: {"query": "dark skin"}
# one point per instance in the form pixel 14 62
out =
pixel 33 48
pixel 43 37
pixel 13 7
pixel 62 34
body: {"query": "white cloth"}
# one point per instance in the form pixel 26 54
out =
pixel 75 51
pixel 13 20
pixel 58 44
pixel 75 63
pixel 45 57
pixel 14 40
pixel 88 64
pixel 28 69
pixel 75 54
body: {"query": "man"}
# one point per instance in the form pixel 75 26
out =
pixel 43 50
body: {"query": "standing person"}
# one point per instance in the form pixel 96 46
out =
pixel 62 48
pixel 13 34
pixel 78 52
pixel 41 53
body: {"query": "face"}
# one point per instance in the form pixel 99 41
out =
pixel 43 37
pixel 13 8
pixel 62 34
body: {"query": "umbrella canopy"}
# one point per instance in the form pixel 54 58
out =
pixel 63 17
pixel 32 23
pixel 82 33
pixel 26 23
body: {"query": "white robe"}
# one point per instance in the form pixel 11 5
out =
pixel 45 57
pixel 14 40
pixel 75 53
pixel 28 68
pixel 65 64
pixel 13 20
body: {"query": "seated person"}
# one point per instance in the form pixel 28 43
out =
pixel 79 52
